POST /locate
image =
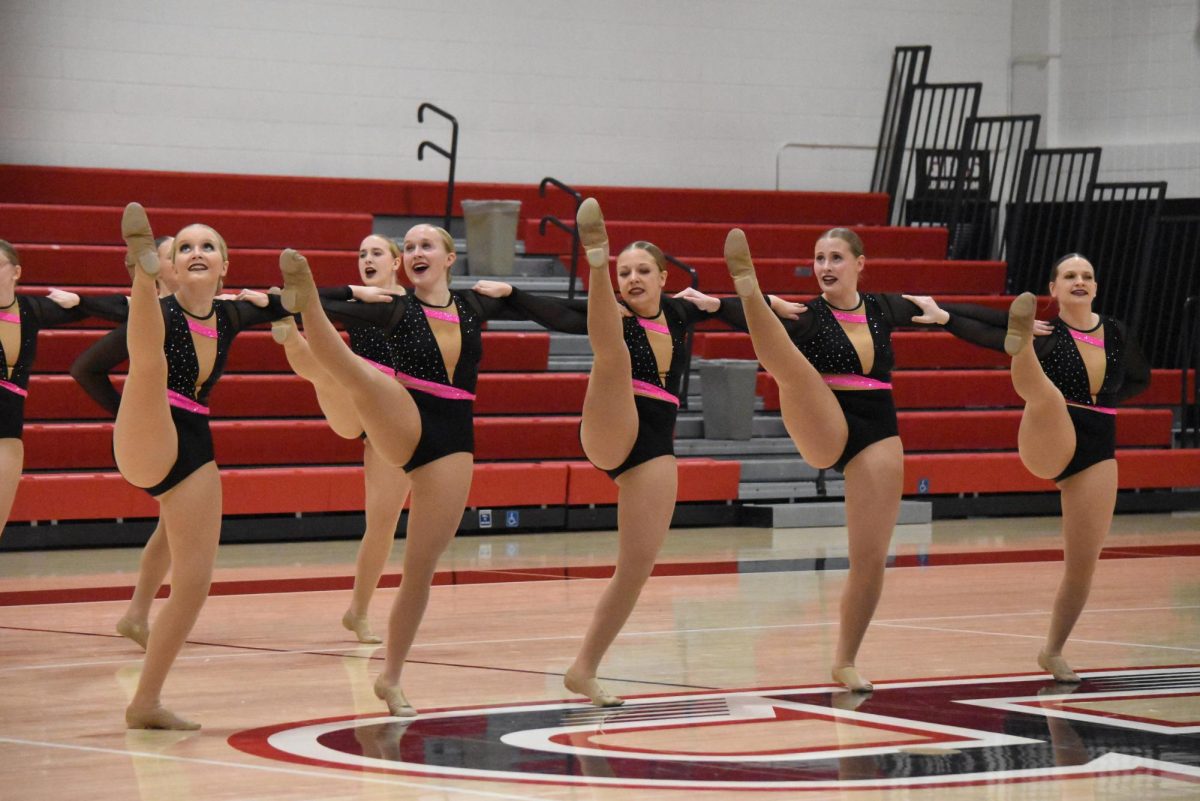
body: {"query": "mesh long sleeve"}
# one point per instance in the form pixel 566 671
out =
pixel 92 368
pixel 1137 370
pixel 556 314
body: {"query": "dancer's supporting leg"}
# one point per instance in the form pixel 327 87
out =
pixel 808 407
pixel 610 420
pixel 386 486
pixel 646 501
pixel 336 405
pixel 12 461
pixel 874 482
pixel 191 512
pixel 1088 499
pixel 439 495
pixel 388 414
pixel 152 572
pixel 1046 437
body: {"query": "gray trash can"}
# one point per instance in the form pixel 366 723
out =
pixel 491 235
pixel 727 389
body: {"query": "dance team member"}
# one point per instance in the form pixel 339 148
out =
pixel 21 317
pixel 833 367
pixel 420 419
pixel 1071 382
pixel 177 350
pixel 629 411
pixel 386 485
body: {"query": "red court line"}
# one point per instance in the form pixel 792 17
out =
pixel 559 573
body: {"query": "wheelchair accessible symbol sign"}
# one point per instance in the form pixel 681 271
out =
pixel 922 486
pixel 512 518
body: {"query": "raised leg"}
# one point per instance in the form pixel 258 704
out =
pixel 610 423
pixel 1088 499
pixel 388 413
pixel 144 441
pixel 1046 437
pixel 152 571
pixel 645 503
pixel 336 405
pixel 874 481
pixel 192 514
pixel 439 495
pixel 12 461
pixel 808 407
pixel 387 487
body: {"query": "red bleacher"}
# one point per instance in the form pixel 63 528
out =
pixel 280 457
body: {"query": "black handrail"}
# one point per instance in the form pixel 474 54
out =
pixel 1189 418
pixel 687 268
pixel 452 155
pixel 573 230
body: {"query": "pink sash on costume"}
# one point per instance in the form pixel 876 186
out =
pixel 433 388
pixel 650 391
pixel 650 325
pixel 13 388
pixel 439 314
pixel 9 317
pixel 185 403
pixel 1086 339
pixel 201 329
pixel 1090 408
pixel 848 317
pixel 854 381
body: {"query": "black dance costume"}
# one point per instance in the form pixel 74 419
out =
pixel 657 400
pixel 1126 374
pixel 32 314
pixel 446 405
pixel 865 398
pixel 189 409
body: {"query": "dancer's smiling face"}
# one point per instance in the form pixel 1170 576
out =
pixel 835 265
pixel 1074 282
pixel 428 257
pixel 200 257
pixel 378 261
pixel 640 280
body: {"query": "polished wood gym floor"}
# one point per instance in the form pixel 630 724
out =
pixel 725 665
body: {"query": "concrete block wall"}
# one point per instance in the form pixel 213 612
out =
pixel 667 92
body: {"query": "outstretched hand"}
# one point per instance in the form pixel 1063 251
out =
pixel 67 300
pixel 786 309
pixel 698 299
pixel 259 299
pixel 493 289
pixel 932 314
pixel 375 294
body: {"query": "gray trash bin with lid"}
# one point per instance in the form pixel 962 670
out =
pixel 491 235
pixel 727 389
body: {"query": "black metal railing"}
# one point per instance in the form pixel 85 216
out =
pixel 691 336
pixel 572 228
pixel 937 122
pixel 1189 407
pixel 910 64
pixel 451 154
pixel 1173 273
pixel 1118 236
pixel 1047 216
pixel 981 183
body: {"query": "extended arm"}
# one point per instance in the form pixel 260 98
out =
pixel 92 368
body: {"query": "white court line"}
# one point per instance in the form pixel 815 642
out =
pixel 308 774
pixel 893 622
pixel 1041 637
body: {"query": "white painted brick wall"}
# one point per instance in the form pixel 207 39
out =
pixel 653 92
pixel 1131 84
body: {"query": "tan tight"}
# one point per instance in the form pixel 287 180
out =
pixel 145 446
pixel 387 485
pixel 1046 442
pixel 393 425
pixel 12 461
pixel 816 423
